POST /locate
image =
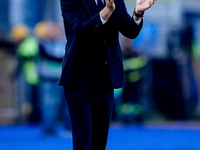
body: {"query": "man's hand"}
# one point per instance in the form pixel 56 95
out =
pixel 142 5
pixel 110 5
pixel 108 9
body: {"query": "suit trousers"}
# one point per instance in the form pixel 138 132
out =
pixel 90 112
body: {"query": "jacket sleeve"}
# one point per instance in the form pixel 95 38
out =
pixel 74 14
pixel 128 27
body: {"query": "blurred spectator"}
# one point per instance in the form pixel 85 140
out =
pixel 8 65
pixel 175 90
pixel 27 78
pixel 190 92
pixel 51 48
pixel 131 105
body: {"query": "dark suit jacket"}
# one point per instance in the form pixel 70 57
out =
pixel 89 42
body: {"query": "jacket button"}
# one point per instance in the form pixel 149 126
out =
pixel 97 25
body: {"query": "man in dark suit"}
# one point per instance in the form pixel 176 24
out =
pixel 92 66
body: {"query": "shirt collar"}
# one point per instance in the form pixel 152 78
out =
pixel 101 0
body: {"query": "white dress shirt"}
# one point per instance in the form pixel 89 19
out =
pixel 101 0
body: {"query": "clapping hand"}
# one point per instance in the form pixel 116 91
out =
pixel 108 9
pixel 142 5
pixel 110 5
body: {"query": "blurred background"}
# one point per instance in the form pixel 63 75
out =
pixel 162 73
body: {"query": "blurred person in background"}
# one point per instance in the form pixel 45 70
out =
pixel 182 95
pixel 92 65
pixel 189 69
pixel 130 107
pixel 51 49
pixel 26 77
pixel 8 67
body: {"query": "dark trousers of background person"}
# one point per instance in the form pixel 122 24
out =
pixel 90 111
pixel 52 103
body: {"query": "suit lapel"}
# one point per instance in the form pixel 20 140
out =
pixel 91 6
